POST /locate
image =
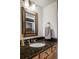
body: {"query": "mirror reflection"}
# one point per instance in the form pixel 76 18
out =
pixel 30 24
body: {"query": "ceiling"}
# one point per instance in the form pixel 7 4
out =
pixel 43 3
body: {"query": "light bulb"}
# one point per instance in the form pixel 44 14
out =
pixel 26 5
pixel 33 7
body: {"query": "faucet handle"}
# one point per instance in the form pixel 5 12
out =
pixel 34 40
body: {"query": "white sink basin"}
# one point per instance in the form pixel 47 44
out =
pixel 36 45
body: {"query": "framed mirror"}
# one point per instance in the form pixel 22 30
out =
pixel 29 23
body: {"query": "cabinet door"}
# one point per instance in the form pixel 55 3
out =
pixel 54 48
pixel 43 55
pixel 48 51
pixel 52 56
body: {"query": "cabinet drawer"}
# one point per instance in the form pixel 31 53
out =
pixel 48 50
pixel 36 57
pixel 43 55
pixel 52 56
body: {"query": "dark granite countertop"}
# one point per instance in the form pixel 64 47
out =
pixel 27 52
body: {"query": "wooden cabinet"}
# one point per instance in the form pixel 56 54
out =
pixel 50 53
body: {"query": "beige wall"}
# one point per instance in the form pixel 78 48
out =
pixel 50 15
pixel 39 10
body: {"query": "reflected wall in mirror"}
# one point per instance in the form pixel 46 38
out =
pixel 29 23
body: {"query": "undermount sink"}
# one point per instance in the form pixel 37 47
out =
pixel 37 45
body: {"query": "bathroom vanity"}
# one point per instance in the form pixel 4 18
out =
pixel 49 51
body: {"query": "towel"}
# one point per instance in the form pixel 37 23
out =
pixel 47 33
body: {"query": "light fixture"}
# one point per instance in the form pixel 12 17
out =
pixel 26 4
pixel 32 7
pixel 29 5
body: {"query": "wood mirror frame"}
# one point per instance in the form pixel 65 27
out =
pixel 23 23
